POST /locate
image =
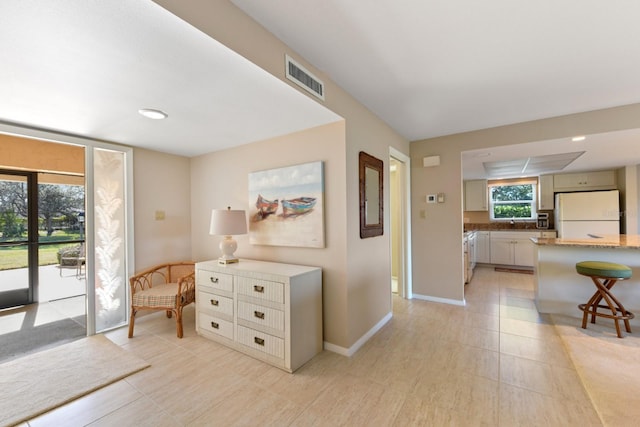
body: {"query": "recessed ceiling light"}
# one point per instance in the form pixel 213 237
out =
pixel 150 113
pixel 578 138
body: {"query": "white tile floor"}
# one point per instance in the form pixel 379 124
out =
pixel 494 362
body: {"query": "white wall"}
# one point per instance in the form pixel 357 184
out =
pixel 161 183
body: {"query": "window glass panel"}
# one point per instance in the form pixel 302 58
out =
pixel 110 262
pixel 513 201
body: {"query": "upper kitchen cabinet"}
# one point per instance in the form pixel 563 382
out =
pixel 586 181
pixel 476 195
pixel 545 192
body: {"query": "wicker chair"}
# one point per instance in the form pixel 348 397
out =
pixel 169 287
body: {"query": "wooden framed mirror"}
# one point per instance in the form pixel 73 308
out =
pixel 371 203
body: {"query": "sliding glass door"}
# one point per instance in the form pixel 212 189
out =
pixel 101 225
pixel 18 238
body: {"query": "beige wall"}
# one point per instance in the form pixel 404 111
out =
pixel 628 186
pixel 161 183
pixel 220 179
pixel 437 245
pixel 365 280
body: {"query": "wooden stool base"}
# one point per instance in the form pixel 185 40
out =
pixel 603 292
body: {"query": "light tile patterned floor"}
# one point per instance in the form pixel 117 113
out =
pixel 494 362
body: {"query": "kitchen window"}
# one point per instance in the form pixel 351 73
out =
pixel 512 199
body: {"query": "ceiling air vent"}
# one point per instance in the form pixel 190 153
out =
pixel 303 78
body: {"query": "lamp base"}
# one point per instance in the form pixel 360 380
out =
pixel 228 246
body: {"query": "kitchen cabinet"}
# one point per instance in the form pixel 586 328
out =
pixel 483 247
pixel 545 192
pixel 513 248
pixel 587 181
pixel 476 194
pixel 270 311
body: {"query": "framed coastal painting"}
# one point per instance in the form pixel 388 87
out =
pixel 286 206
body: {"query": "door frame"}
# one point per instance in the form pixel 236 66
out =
pixel 89 145
pixel 404 199
pixel 16 297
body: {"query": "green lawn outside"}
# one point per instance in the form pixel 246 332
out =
pixel 16 257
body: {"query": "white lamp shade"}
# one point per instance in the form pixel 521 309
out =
pixel 227 222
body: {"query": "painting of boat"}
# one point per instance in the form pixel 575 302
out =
pixel 286 206
pixel 297 206
pixel 266 207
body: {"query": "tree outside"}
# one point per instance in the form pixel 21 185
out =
pixel 59 209
pixel 512 201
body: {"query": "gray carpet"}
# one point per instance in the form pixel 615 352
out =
pixel 29 329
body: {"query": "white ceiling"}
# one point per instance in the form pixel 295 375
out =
pixel 427 68
pixel 438 67
pixel 86 67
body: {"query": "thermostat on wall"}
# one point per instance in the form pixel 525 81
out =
pixel 432 198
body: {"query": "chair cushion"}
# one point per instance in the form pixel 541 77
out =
pixel 603 269
pixel 163 295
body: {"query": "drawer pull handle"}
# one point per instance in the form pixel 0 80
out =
pixel 258 288
pixel 214 302
pixel 258 314
pixel 258 341
pixel 213 279
pixel 214 325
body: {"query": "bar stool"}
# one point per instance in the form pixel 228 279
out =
pixel 604 276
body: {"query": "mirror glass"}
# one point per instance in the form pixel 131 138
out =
pixel 371 203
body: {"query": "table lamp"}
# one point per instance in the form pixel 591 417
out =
pixel 227 222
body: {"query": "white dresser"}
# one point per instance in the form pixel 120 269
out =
pixel 270 311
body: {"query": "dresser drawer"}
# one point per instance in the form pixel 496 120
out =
pixel 216 326
pixel 215 280
pixel 215 303
pixel 263 316
pixel 261 289
pixel 260 341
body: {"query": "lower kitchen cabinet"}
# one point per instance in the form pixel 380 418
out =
pixel 270 311
pixel 483 247
pixel 513 248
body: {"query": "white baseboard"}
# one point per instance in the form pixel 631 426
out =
pixel 363 339
pixel 440 300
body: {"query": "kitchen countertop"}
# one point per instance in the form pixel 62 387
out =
pixel 616 241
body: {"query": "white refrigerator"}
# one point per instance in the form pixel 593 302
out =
pixel 588 214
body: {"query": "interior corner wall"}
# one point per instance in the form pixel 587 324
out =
pixel 437 238
pixel 628 186
pixel 220 179
pixel 161 186
pixel 366 280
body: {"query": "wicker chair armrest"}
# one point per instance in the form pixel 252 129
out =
pixel 187 288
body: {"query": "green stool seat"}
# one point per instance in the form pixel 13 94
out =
pixel 603 269
pixel 604 275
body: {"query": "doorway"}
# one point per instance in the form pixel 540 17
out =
pixel 400 223
pixel 41 237
pixel 99 228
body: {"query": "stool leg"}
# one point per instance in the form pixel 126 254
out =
pixel 623 311
pixel 603 288
pixel 593 301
